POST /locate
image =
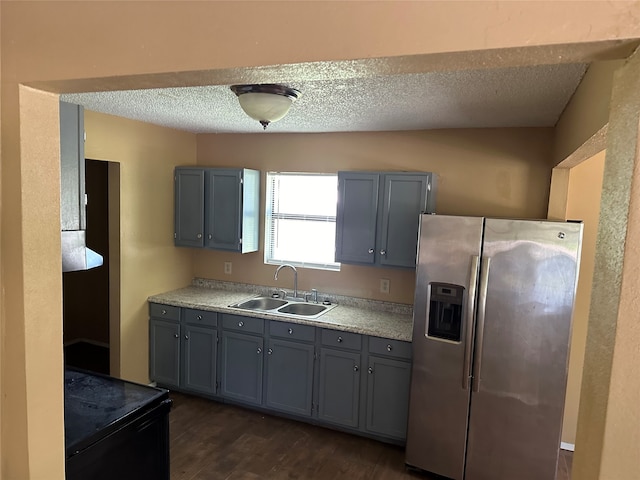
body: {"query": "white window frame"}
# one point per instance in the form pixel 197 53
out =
pixel 270 216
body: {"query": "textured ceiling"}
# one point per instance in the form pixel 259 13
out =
pixel 531 96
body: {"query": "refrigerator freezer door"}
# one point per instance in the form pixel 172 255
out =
pixel 438 410
pixel 520 375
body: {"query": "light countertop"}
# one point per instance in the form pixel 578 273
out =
pixel 367 317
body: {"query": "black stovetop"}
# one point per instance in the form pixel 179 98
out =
pixel 96 405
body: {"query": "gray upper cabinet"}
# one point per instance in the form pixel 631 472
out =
pixel 378 216
pixel 232 209
pixel 289 376
pixel 189 207
pixel 217 208
pixel 388 383
pixel 72 189
pixel 357 217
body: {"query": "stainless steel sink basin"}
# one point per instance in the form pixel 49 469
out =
pixel 305 309
pixel 261 303
pixel 278 306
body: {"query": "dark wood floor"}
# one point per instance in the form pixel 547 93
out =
pixel 211 441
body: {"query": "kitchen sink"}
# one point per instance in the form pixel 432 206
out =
pixel 261 303
pixel 283 307
pixel 305 309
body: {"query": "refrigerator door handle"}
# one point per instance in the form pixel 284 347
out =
pixel 482 304
pixel 471 312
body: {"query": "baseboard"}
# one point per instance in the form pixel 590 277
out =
pixel 567 446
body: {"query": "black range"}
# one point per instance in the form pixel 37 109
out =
pixel 115 428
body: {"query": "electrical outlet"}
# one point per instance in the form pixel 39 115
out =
pixel 227 268
pixel 384 285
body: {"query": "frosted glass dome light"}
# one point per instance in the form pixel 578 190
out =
pixel 266 102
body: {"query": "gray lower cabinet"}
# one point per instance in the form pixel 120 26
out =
pixel 388 383
pixel 164 352
pixel 241 367
pixel 289 376
pixel 183 348
pixel 200 358
pixel 339 393
pixel 359 383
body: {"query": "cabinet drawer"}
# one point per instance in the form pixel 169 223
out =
pixel 336 338
pixel 390 348
pixel 294 331
pixel 201 317
pixel 168 312
pixel 243 324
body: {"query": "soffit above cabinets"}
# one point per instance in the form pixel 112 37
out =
pixel 523 96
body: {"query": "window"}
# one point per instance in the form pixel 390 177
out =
pixel 300 224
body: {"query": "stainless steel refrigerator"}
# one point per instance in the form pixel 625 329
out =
pixel 491 331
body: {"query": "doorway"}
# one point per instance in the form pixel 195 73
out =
pixel 91 298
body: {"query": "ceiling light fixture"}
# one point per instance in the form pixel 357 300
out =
pixel 265 102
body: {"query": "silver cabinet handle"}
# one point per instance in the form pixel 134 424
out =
pixel 370 370
pixel 241 323
pixel 199 235
pixel 371 250
pixel 199 317
pixel 164 312
pixel 210 236
pixel 339 339
pixel 356 368
pixel 291 331
pixel 389 348
pixel 270 351
pixel 175 335
pixel 186 337
pixel 259 351
pixel 383 252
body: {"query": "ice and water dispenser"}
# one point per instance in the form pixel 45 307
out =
pixel 445 311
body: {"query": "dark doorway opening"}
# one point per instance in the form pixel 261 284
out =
pixel 86 294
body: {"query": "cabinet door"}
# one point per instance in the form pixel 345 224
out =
pixel 290 376
pixel 199 360
pixel 241 367
pixel 224 209
pixel 339 387
pixel 72 182
pixel 189 207
pixel 164 352
pixel 356 217
pixel 405 198
pixel 388 396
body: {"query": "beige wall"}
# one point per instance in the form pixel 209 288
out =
pixel 31 290
pixel 149 262
pixel 609 415
pixel 95 42
pixel 587 111
pixel 500 172
pixel 584 190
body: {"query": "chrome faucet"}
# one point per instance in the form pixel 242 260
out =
pixel 295 277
